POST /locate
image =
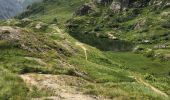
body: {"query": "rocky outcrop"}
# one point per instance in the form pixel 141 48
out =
pixel 21 38
pixel 118 6
pixel 9 34
pixel 103 2
pixel 115 7
pixel 141 23
pixel 85 9
pixel 124 4
pixel 160 4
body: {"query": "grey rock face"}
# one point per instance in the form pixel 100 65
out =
pixel 103 2
pixel 85 9
pixel 9 8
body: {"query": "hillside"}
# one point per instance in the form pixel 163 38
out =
pixel 87 50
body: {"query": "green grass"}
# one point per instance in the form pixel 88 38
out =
pixel 12 87
pixel 139 63
pixel 109 73
pixel 115 69
pixel 62 10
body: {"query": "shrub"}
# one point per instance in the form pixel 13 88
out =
pixel 150 53
pixel 149 77
pixel 166 24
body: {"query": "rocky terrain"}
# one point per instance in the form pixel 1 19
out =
pixel 86 50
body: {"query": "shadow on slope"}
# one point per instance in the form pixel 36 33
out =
pixel 86 34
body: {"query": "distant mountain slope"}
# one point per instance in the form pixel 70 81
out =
pixel 9 8
pixel 53 10
pixel 144 23
pixel 25 3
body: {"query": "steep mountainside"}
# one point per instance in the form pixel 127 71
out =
pixel 87 50
pixel 141 22
pixel 53 10
pixel 9 8
pixel 25 3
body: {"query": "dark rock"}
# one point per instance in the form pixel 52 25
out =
pixel 85 9
pixel 103 2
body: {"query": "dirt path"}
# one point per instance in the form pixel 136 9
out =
pixel 139 80
pixel 58 30
pixel 83 47
pixel 62 86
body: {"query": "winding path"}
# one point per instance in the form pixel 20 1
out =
pixel 139 80
pixel 59 85
pixel 83 47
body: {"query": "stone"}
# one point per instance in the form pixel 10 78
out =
pixel 140 24
pixel 103 2
pixel 85 9
pixel 160 47
pixel 115 7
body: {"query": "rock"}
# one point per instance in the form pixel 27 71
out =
pixel 111 36
pixel 146 42
pixel 167 5
pixel 165 14
pixel 85 9
pixel 26 20
pixel 139 3
pixel 124 4
pixel 138 49
pixel 160 4
pixel 41 26
pixel 166 57
pixel 8 33
pixel 22 38
pixel 115 7
pixel 161 46
pixel 103 2
pixel 140 24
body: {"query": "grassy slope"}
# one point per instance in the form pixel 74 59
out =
pixel 62 10
pixel 109 72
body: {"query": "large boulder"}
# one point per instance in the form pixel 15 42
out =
pixel 85 9
pixel 9 34
pixel 118 6
pixel 103 2
pixel 115 7
pixel 124 4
